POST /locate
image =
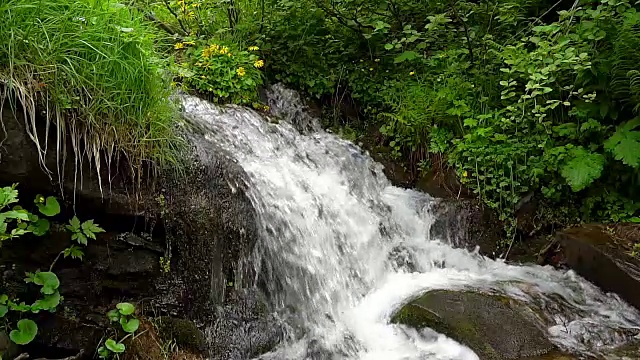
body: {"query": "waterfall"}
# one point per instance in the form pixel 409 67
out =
pixel 341 248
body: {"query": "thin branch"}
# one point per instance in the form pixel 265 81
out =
pixel 466 31
pixel 163 26
pixel 168 6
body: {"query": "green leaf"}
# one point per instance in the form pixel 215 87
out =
pixel 74 251
pixel 17 214
pixel 624 144
pixel 3 310
pixel 8 195
pixel 113 315
pixel 388 46
pixel 74 224
pixel 405 56
pixel 130 326
pixel 26 332
pixel 22 307
pixel 49 302
pixel 103 352
pixel 80 238
pixel 48 280
pixel 115 347
pixel 90 229
pixel 51 207
pixel 30 277
pixel 4 298
pixel 40 227
pixel 126 308
pixel 582 168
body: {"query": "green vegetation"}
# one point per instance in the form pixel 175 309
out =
pixel 523 99
pixel 91 67
pixel 16 222
pixel 124 315
pixel 213 59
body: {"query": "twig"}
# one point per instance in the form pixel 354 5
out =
pixel 168 6
pixel 466 31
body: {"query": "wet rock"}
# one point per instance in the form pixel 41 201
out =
pixel 466 224
pixel 495 328
pixel 602 255
pixel 211 224
pixel 244 329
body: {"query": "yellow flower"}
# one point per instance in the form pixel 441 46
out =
pixel 189 43
pixel 465 173
pixel 224 50
pixel 178 46
pixel 253 48
pixel 258 64
pixel 412 73
pixel 241 71
pixel 229 54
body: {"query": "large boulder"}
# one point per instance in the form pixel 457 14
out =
pixel 493 327
pixel 604 255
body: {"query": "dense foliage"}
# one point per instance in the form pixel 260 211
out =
pixel 534 99
pixel 91 67
pixel 213 58
pixel 525 99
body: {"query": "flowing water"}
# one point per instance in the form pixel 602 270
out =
pixel 342 248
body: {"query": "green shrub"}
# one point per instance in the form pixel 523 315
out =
pixel 91 66
pixel 222 72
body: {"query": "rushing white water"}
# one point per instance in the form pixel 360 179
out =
pixel 343 248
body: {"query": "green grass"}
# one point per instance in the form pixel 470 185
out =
pixel 91 65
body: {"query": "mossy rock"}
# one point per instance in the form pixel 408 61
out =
pixel 184 332
pixel 493 327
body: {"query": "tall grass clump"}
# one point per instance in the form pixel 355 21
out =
pixel 90 65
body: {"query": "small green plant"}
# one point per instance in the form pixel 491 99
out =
pixel 165 264
pixel 124 315
pixel 226 73
pixel 17 222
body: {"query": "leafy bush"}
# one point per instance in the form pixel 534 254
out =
pixel 225 73
pixel 524 98
pixel 92 66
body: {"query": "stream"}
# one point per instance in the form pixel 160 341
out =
pixel 342 249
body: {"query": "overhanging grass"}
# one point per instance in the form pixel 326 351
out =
pixel 91 65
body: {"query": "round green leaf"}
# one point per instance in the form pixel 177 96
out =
pixel 26 332
pixel 115 347
pixel 3 310
pixel 48 280
pixel 126 308
pixel 50 207
pixel 40 227
pixel 130 326
pixel 49 302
